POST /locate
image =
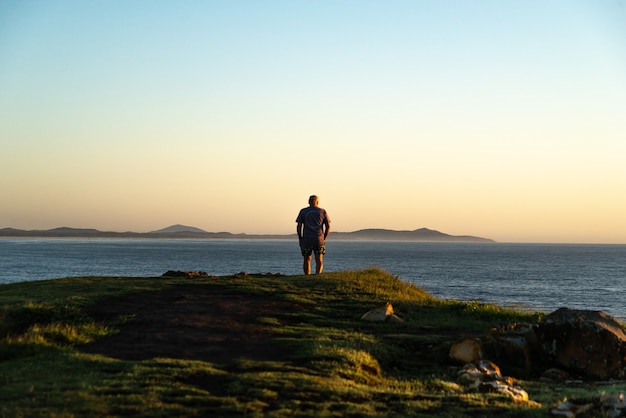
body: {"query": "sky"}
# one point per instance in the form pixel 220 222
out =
pixel 500 119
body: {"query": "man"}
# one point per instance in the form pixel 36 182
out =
pixel 313 228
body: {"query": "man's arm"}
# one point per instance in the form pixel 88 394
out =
pixel 326 229
pixel 299 230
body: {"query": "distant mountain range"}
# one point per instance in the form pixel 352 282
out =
pixel 422 234
pixel 190 232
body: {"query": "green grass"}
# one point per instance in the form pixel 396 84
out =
pixel 340 366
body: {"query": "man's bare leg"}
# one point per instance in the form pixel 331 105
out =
pixel 306 266
pixel 319 263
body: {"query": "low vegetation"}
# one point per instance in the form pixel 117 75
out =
pixel 326 362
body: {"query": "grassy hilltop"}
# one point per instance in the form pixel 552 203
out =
pixel 260 345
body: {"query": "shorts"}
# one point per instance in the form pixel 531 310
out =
pixel 307 249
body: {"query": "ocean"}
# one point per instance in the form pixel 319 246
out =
pixel 540 277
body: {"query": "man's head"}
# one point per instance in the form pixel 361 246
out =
pixel 313 200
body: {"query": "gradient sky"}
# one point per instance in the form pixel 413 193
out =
pixel 502 119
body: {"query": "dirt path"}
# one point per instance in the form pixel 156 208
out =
pixel 190 322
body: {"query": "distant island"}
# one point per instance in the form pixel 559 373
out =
pixel 190 232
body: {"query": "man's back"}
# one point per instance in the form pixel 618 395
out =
pixel 313 218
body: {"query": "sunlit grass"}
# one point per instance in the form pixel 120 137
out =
pixel 339 366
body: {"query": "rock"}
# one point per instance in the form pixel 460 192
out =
pixel 610 405
pixel 383 313
pixel 514 392
pixel 485 376
pixel 185 274
pixel 515 345
pixel 379 314
pixel 469 350
pixel 613 404
pixel 394 318
pixel 472 374
pixel 555 375
pixel 587 343
pixel 571 409
pixel 489 369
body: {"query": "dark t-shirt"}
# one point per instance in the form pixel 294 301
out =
pixel 313 218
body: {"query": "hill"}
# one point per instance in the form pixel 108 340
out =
pixel 178 229
pixel 254 345
pixel 421 234
pixel 189 232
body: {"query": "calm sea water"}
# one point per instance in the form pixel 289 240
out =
pixel 535 276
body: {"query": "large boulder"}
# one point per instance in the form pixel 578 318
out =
pixel 588 343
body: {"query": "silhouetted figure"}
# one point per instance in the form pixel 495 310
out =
pixel 313 228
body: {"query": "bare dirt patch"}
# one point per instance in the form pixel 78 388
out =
pixel 191 322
